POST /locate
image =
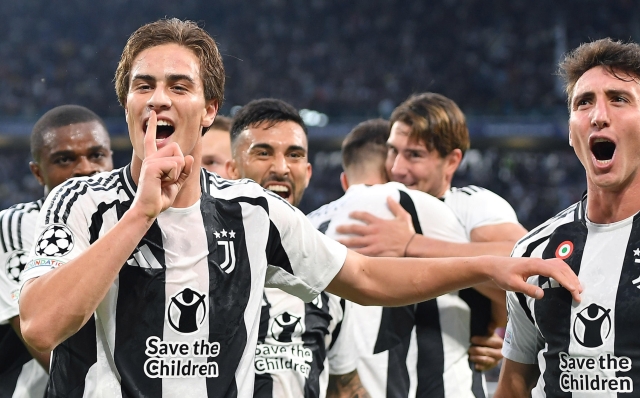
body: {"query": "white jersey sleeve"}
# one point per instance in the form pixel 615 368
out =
pixel 342 353
pixel 477 207
pixel 16 238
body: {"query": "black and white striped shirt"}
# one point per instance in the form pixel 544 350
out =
pixel 20 374
pixel 182 317
pixel 417 350
pixel 300 344
pixel 588 348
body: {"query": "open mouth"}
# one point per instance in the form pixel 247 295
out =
pixel 603 150
pixel 164 129
pixel 281 190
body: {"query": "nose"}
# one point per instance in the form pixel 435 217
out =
pixel 600 115
pixel 159 99
pixel 85 167
pixel 279 165
pixel 398 167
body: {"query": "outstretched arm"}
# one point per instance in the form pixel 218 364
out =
pixel 57 304
pixel 516 379
pixel 400 281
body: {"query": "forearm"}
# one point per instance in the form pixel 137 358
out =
pixel 57 304
pixel 498 302
pixel 422 246
pixel 400 281
pixel 516 379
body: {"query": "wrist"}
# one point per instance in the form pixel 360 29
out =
pixel 406 247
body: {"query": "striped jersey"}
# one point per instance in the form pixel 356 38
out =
pixel 416 350
pixel 20 374
pixel 589 348
pixel 300 344
pixel 182 317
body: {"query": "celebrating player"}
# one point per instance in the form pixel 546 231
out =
pixel 269 141
pixel 558 347
pixel 67 141
pixel 216 146
pixel 114 251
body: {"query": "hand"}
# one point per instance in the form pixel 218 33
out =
pixel 486 351
pixel 379 237
pixel 162 175
pixel 512 273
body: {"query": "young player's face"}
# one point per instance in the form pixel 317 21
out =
pixel 216 151
pixel 412 164
pixel 275 157
pixel 75 150
pixel 604 128
pixel 166 79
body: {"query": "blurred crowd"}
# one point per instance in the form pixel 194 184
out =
pixel 341 58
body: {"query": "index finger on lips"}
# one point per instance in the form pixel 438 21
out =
pixel 150 146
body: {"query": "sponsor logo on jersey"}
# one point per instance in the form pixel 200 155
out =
pixel 56 240
pixel 229 262
pixel 564 250
pixel 179 359
pixel 15 264
pixel 592 326
pixel 593 374
pixel 143 257
pixel 187 311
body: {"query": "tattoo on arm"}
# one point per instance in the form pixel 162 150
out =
pixel 346 386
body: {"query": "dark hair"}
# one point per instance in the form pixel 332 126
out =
pixel 366 142
pixel 60 116
pixel 221 123
pixel 616 57
pixel 265 110
pixel 184 33
pixel 435 120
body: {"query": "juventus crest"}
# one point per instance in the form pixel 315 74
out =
pixel 229 262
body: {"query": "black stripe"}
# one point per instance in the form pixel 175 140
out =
pixel 13 356
pixel 101 184
pixel 627 322
pixel 19 230
pixel 523 303
pixel 316 320
pixel 336 331
pixel 228 293
pixel 61 192
pixel 397 372
pixel 71 361
pixel 2 233
pixel 263 386
pixel 553 312
pixel 324 226
pixel 477 382
pixel 9 222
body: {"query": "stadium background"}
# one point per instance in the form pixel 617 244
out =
pixel 345 61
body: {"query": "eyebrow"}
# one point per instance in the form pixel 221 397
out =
pixel 66 152
pixel 609 93
pixel 169 77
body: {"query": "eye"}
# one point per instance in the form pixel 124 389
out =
pixel 63 160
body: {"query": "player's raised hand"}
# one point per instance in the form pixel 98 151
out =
pixel 512 274
pixel 379 237
pixel 163 173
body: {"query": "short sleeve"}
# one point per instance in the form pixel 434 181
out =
pixel 9 283
pixel 61 231
pixel 301 260
pixel 522 340
pixel 478 207
pixel 342 353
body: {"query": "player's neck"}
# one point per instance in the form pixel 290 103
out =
pixel 607 206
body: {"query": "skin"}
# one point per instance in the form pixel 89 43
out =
pixel 275 157
pixel 164 178
pixel 602 106
pixel 75 150
pixel 216 151
pixel 412 164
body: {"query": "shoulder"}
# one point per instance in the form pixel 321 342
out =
pixel 539 235
pixel 17 224
pixel 473 194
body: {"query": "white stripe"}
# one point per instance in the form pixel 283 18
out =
pixel 32 381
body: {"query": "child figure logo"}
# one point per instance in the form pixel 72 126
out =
pixel 592 326
pixel 187 311
pixel 285 326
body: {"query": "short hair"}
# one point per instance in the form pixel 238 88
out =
pixel 435 120
pixel 616 57
pixel 60 116
pixel 221 123
pixel 184 33
pixel 265 110
pixel 366 142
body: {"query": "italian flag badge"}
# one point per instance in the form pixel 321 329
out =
pixel 564 250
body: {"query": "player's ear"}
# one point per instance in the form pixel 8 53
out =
pixel 344 181
pixel 209 113
pixel 570 141
pixel 37 172
pixel 452 161
pixel 232 169
pixel 309 172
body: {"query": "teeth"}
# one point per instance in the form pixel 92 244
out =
pixel 601 140
pixel 164 123
pixel 603 162
pixel 278 188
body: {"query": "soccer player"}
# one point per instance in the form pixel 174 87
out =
pixel 428 139
pixel 302 348
pixel 216 146
pixel 557 347
pixel 67 141
pixel 387 336
pixel 116 278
